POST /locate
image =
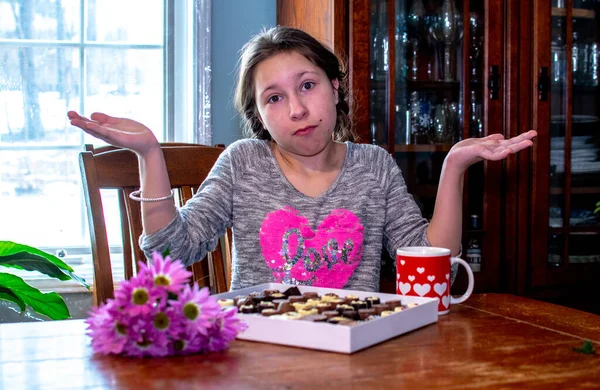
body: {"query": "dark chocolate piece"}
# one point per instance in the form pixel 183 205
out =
pixel 292 291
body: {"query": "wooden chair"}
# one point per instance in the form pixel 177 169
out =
pixel 108 167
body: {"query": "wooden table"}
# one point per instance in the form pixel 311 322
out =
pixel 490 341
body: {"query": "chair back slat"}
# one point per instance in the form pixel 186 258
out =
pixel 108 167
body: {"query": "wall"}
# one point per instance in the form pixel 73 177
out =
pixel 233 23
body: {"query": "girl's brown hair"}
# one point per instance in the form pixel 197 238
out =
pixel 285 39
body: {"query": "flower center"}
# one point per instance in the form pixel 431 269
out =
pixel 162 280
pixel 121 328
pixel 161 321
pixel 145 343
pixel 191 311
pixel 140 296
pixel 179 345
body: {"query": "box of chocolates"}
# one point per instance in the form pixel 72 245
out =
pixel 326 319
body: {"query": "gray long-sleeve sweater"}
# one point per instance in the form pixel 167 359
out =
pixel 281 235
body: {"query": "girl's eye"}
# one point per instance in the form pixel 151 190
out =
pixel 274 99
pixel 308 85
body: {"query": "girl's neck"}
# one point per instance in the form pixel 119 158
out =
pixel 329 159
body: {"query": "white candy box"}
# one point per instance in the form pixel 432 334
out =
pixel 331 337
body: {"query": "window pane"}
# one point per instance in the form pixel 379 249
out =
pixel 40 19
pixel 132 21
pixel 41 198
pixel 38 87
pixel 126 82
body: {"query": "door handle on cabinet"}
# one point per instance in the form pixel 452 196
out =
pixel 494 82
pixel 543 84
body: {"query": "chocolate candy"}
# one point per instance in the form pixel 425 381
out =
pixel 372 301
pixel 266 305
pixel 247 309
pixel 330 297
pixel 278 295
pixel 324 306
pixel 330 313
pixel 349 298
pixel 292 291
pixel 352 314
pixel 393 303
pixel 270 312
pixel 271 292
pixel 310 295
pixel 380 308
pixel 308 311
pixel 359 305
pixel 242 300
pixel 258 298
pixel 296 298
pixel 363 314
pixel 386 313
pixel 341 308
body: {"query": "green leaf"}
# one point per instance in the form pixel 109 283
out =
pixel 7 295
pixel 166 252
pixel 588 348
pixel 27 258
pixel 49 304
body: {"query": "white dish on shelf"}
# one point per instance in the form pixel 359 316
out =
pixel 330 337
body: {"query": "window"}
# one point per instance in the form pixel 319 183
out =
pixel 83 55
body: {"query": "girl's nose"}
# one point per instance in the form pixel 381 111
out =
pixel 298 109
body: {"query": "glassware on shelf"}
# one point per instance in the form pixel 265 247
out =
pixel 558 65
pixel 415 32
pixel 476 124
pixel 446 28
pixel 476 47
pixel 380 48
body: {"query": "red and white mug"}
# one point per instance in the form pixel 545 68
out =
pixel 425 272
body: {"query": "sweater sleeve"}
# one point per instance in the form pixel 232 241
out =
pixel 404 223
pixel 197 226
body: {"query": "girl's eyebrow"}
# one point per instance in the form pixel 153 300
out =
pixel 298 76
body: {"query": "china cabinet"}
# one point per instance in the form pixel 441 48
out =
pixel 565 217
pixel 424 75
pixel 427 73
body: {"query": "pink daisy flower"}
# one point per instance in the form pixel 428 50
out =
pixel 108 333
pixel 165 273
pixel 146 340
pixel 199 309
pixel 138 296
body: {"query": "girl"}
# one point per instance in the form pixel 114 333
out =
pixel 306 204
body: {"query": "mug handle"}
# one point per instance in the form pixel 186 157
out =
pixel 469 291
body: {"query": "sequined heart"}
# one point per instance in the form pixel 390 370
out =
pixel 326 257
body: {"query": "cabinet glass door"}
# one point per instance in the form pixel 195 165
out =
pixel 572 165
pixel 430 86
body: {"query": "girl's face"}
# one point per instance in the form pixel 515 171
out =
pixel 296 103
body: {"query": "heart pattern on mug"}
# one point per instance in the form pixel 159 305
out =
pixel 404 288
pixel 402 262
pixel 411 278
pixel 431 278
pixel 326 257
pixel 445 301
pixel 420 270
pixel 440 288
pixel 421 289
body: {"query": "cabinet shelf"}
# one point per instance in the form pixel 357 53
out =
pixel 577 13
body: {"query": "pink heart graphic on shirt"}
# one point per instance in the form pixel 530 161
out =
pixel 326 257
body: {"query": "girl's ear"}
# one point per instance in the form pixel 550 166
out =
pixel 335 83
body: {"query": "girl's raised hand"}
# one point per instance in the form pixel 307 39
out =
pixel 121 132
pixel 493 147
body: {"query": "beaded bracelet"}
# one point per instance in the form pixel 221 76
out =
pixel 135 195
